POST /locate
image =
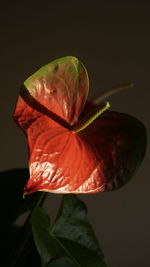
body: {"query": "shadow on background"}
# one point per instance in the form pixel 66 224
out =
pixel 12 206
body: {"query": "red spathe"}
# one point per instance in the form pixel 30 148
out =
pixel 102 157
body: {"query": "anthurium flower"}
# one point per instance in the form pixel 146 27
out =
pixel 75 146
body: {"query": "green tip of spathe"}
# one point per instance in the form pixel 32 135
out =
pixel 50 69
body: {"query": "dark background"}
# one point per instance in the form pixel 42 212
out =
pixel 112 39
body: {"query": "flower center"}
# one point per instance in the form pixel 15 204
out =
pixel 90 117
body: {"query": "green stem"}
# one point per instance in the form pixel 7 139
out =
pixel 26 233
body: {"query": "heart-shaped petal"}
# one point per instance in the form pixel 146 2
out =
pixel 101 157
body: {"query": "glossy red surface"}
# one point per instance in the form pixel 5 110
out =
pixel 102 157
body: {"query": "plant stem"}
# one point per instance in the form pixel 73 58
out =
pixel 26 233
pixel 110 91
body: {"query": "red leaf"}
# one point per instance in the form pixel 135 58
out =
pixel 102 157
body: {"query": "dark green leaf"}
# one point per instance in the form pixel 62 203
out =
pixel 47 245
pixel 71 236
pixel 72 223
pixel 61 262
pixel 12 183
